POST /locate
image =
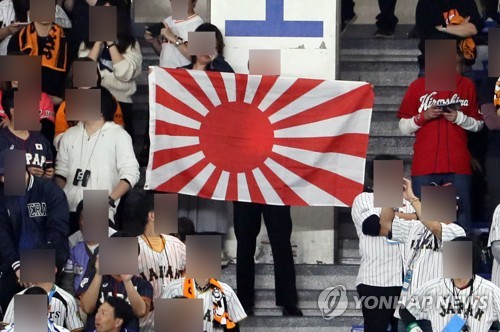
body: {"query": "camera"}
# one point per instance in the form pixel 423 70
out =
pixel 81 176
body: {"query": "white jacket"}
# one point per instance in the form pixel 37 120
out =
pixel 113 159
pixel 121 82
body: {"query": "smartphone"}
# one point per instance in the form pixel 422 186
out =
pixel 155 29
pixel 48 164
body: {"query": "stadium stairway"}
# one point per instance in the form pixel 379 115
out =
pixel 390 65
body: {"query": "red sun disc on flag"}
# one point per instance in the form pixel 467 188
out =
pixel 262 139
pixel 236 137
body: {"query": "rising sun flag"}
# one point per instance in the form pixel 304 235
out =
pixel 262 139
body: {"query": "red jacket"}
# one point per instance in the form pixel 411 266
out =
pixel 440 146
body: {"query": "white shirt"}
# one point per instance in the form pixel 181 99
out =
pixel 170 56
pixel 483 298
pixel 112 159
pixel 7 16
pixel 427 262
pixel 381 259
pixel 64 310
pixel 495 236
pixel 51 328
pixel 234 307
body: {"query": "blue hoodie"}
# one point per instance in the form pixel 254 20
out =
pixel 37 220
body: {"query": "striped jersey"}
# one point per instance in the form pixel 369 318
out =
pixel 439 300
pixel 422 250
pixel 51 327
pixel 381 260
pixel 64 310
pixel 234 307
pixel 495 236
pixel 159 268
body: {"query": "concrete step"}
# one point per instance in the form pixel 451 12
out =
pixel 299 324
pixel 379 73
pixel 385 124
pixel 309 277
pixel 391 145
pixel 265 302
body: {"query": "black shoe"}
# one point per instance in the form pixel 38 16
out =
pixel 384 34
pixel 292 311
pixel 249 311
pixel 413 34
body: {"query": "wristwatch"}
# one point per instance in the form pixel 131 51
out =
pixel 177 43
pixel 443 28
pixel 112 202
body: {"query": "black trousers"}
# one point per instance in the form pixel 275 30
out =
pixel 386 20
pixel 247 222
pixel 378 318
pixel 128 118
pixel 8 287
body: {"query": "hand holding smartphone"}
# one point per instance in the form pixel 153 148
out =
pixel 155 29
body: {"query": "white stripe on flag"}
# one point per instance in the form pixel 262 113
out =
pixel 206 85
pixel 172 86
pixel 308 192
pixel 252 85
pixel 163 142
pixel 165 172
pixel 266 188
pixel 350 167
pixel 279 87
pixel 195 185
pixel 354 123
pixel 243 193
pixel 230 84
pixel 170 116
pixel 324 92
pixel 221 188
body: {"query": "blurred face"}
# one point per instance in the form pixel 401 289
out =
pixel 105 320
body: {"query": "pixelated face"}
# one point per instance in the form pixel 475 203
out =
pixel 105 319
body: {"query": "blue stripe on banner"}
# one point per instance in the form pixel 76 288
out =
pixel 274 25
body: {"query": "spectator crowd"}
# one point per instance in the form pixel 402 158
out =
pixel 401 255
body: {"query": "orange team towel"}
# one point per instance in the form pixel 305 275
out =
pixel 467 45
pixel 221 316
pixel 62 125
pixel 54 51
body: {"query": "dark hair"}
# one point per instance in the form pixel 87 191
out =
pixel 476 252
pixel 69 77
pixel 108 104
pixel 219 39
pixel 8 102
pixel 125 36
pixel 79 210
pixel 185 227
pixel 122 309
pixel 21 8
pixel 143 204
pixel 370 168
pixel 35 290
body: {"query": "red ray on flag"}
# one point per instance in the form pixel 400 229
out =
pixel 261 139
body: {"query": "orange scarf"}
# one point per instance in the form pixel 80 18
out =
pixel 221 316
pixel 467 45
pixel 54 51
pixel 496 98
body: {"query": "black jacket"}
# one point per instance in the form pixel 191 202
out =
pixel 38 220
pixel 429 14
pixel 218 64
